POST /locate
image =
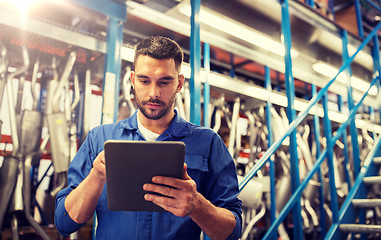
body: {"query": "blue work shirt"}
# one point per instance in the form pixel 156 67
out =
pixel 209 165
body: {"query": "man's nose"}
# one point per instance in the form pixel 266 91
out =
pixel 154 91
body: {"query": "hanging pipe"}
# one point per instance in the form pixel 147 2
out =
pixel 20 91
pixel 180 105
pixel 3 70
pixel 11 106
pixel 27 198
pixel 233 128
pixel 217 114
pixel 127 89
pixel 252 134
pixel 72 124
pixel 77 96
pixel 33 83
pixel 187 100
pixel 253 221
pixel 87 106
pixel 64 78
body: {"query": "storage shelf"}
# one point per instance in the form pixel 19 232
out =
pixel 71 36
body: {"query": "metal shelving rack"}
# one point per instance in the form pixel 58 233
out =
pixel 115 51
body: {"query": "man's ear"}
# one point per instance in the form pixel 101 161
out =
pixel 132 77
pixel 181 83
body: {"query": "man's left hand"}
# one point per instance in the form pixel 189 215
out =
pixel 180 195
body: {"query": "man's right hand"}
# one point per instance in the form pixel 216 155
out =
pixel 99 167
pixel 82 201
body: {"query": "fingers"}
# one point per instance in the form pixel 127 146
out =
pixel 177 195
pixel 100 158
pixel 163 190
pixel 99 168
pixel 173 205
pixel 185 173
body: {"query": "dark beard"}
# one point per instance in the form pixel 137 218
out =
pixel 155 114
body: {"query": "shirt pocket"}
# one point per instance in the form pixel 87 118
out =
pixel 197 168
pixel 196 162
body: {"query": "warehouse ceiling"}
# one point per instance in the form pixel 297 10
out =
pixel 314 38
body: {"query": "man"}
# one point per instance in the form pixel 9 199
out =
pixel 205 199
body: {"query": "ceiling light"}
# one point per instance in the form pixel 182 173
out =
pixel 238 30
pixel 330 72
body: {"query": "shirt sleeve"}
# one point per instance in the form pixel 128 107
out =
pixel 64 224
pixel 236 234
pixel 78 170
pixel 222 184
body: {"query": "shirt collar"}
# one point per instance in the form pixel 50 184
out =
pixel 178 127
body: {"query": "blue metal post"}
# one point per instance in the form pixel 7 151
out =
pixel 116 12
pixel 290 92
pixel 320 177
pixel 270 142
pixel 374 5
pixel 377 65
pixel 109 8
pixel 352 126
pixel 331 6
pixel 113 65
pixel 310 3
pixel 206 84
pixel 331 167
pixel 346 157
pixel 339 103
pixel 353 129
pixel 232 72
pixel 359 18
pixel 195 63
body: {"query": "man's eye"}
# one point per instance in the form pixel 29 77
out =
pixel 164 82
pixel 144 81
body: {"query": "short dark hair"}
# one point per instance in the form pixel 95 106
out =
pixel 159 47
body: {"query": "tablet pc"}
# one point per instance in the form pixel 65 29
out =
pixel 131 164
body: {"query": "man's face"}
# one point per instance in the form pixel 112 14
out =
pixel 156 83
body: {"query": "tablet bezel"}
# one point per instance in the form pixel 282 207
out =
pixel 130 164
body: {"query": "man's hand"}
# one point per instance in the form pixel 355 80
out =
pixel 180 195
pixel 182 199
pixel 82 201
pixel 99 167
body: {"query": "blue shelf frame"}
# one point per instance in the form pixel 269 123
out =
pixel 322 95
pixel 195 64
pixel 117 15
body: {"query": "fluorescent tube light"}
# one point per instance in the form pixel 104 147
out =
pixel 330 71
pixel 238 30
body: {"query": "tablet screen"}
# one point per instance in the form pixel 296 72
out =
pixel 131 164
